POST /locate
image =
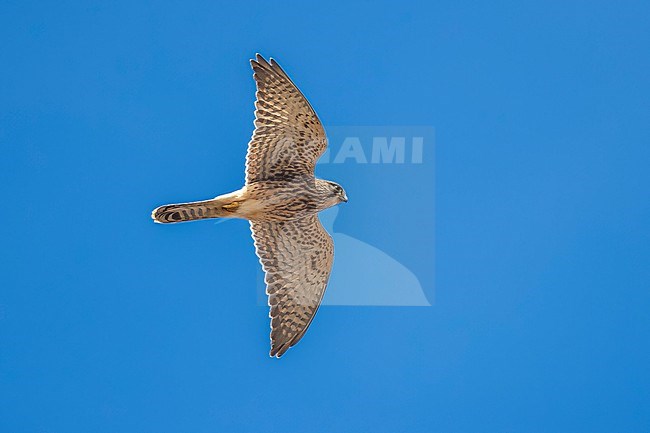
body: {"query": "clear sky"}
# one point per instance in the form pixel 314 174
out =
pixel 541 202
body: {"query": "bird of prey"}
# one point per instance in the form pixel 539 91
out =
pixel 281 198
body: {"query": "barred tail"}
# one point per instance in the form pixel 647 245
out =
pixel 176 213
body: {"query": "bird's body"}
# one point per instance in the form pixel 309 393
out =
pixel 269 200
pixel 281 198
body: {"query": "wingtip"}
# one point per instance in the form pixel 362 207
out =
pixel 278 350
pixel 259 62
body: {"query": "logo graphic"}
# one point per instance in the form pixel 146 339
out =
pixel 384 236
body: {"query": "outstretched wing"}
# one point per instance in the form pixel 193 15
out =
pixel 288 138
pixel 297 257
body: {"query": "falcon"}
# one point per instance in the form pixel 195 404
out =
pixel 281 198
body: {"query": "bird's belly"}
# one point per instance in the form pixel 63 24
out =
pixel 277 208
pixel 251 209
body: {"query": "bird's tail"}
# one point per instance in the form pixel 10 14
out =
pixel 198 210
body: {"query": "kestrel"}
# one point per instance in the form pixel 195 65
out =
pixel 281 198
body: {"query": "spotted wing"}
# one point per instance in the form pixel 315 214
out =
pixel 288 138
pixel 297 257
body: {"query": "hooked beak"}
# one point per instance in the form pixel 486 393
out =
pixel 344 198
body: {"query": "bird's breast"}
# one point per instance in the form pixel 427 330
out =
pixel 277 201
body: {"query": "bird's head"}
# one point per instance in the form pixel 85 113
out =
pixel 337 192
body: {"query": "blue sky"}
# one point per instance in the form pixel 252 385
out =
pixel 541 207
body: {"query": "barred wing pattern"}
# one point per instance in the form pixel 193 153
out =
pixel 297 257
pixel 288 138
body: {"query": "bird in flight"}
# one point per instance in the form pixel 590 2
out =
pixel 281 198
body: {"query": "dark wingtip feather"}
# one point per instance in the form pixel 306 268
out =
pixel 261 60
pixel 279 350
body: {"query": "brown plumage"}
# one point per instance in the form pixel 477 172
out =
pixel 281 198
